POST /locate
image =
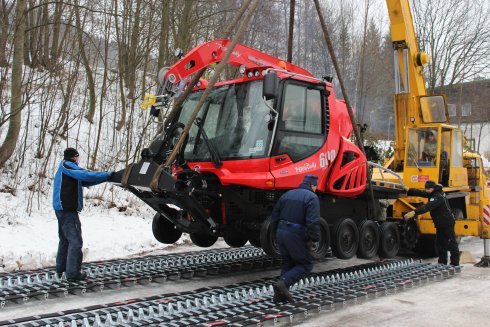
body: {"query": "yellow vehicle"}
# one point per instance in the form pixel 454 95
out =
pixel 427 147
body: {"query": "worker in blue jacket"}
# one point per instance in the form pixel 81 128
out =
pixel 297 214
pixel 67 203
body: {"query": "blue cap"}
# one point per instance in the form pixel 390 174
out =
pixel 310 180
pixel 430 184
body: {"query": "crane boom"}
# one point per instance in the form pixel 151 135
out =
pixel 409 79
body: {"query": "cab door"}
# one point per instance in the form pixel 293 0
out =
pixel 299 146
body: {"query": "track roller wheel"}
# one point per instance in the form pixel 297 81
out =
pixel 390 240
pixel 321 249
pixel 410 234
pixel 164 231
pixel 345 239
pixel 268 238
pixel 203 240
pixel 235 240
pixel 368 239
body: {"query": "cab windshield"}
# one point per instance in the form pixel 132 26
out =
pixel 235 120
pixel 422 147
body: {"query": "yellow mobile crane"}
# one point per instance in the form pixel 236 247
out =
pixel 427 147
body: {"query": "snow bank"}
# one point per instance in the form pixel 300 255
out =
pixel 30 241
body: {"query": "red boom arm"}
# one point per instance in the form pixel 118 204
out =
pixel 212 52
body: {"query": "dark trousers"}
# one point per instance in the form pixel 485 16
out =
pixel 69 256
pixel 446 241
pixel 296 259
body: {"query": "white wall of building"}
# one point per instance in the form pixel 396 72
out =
pixel 481 133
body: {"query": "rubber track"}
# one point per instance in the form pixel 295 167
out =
pixel 250 303
pixel 24 286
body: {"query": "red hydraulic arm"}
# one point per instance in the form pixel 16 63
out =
pixel 212 52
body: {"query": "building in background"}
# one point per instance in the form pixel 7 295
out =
pixel 469 108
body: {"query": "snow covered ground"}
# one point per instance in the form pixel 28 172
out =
pixel 30 241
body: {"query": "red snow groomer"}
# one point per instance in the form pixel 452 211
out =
pixel 254 138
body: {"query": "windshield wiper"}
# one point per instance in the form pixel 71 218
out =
pixel 214 154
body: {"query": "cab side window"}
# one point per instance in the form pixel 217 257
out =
pixel 300 131
pixel 302 110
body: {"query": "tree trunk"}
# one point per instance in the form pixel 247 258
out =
pixel 103 92
pixel 45 32
pixel 4 31
pixel 33 39
pixel 55 47
pixel 185 23
pixel 121 63
pixel 8 147
pixel 90 77
pixel 133 48
pixel 163 45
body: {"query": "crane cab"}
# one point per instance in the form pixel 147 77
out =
pixel 434 152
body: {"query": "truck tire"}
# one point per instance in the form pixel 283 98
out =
pixel 345 238
pixel 235 241
pixel 389 241
pixel 268 238
pixel 368 239
pixel 203 240
pixel 164 231
pixel 321 250
pixel 269 244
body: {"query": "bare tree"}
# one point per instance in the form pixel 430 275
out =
pixel 86 63
pixel 12 136
pixel 55 40
pixel 5 9
pixel 456 35
pixel 164 34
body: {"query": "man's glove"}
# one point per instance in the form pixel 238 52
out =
pixel 312 246
pixel 409 215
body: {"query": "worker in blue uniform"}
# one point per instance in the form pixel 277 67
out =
pixel 67 203
pixel 297 215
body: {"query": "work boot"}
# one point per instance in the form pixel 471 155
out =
pixel 80 277
pixel 279 297
pixel 281 288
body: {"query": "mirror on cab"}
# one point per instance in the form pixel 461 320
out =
pixel 270 86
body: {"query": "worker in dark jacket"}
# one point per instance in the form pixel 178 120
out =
pixel 442 217
pixel 297 214
pixel 67 203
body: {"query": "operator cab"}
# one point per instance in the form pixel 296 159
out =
pixel 435 149
pixel 238 122
pixel 435 153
